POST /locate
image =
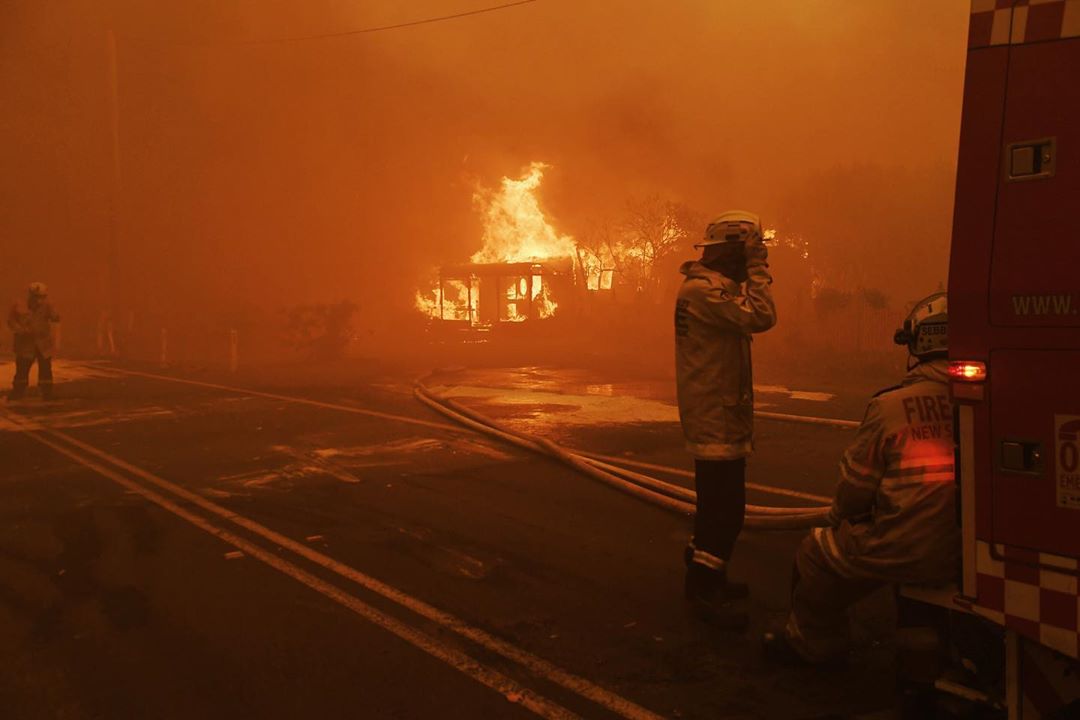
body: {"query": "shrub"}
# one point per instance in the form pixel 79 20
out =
pixel 320 331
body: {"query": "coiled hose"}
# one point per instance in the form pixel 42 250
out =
pixel 644 487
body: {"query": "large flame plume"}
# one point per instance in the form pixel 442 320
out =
pixel 515 228
pixel 515 231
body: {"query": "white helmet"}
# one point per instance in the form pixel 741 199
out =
pixel 39 289
pixel 732 226
pixel 926 329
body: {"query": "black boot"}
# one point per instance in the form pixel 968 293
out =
pixel 46 391
pixel 18 392
pixel 734 590
pixel 712 598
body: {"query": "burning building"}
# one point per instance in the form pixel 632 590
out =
pixel 483 294
pixel 524 272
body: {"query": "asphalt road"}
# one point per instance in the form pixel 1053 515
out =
pixel 170 549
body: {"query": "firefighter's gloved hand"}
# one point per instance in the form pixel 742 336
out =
pixel 757 255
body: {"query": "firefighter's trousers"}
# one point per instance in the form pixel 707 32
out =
pixel 720 512
pixel 821 593
pixel 22 374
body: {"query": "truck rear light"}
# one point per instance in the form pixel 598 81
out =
pixel 967 370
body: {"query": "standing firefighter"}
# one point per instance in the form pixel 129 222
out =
pixel 33 341
pixel 893 519
pixel 725 297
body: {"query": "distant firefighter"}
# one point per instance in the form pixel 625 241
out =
pixel 893 519
pixel 32 327
pixel 724 299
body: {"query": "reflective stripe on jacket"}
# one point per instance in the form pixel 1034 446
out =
pixel 894 514
pixel 713 323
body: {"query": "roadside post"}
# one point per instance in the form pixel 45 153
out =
pixel 234 350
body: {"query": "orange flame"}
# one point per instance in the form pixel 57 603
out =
pixel 515 231
pixel 515 228
pixel 454 301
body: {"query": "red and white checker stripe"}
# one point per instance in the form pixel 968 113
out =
pixel 1004 22
pixel 1038 602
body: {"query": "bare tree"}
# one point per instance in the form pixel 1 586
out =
pixel 598 255
pixel 639 253
pixel 656 231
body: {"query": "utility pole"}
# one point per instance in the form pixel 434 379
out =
pixel 113 251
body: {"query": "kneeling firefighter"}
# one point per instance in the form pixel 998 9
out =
pixel 725 297
pixel 893 518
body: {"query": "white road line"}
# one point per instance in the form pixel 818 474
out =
pixel 459 429
pixel 534 664
pixel 788 417
pixel 290 399
pixel 452 657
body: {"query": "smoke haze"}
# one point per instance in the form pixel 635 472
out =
pixel 254 175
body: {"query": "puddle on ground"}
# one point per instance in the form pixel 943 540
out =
pixel 542 402
pixel 406 445
pixel 593 409
pixel 813 396
pixel 348 463
pixel 794 394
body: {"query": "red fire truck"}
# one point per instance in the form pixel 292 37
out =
pixel 1014 334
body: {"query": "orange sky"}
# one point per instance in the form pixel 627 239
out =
pixel 278 172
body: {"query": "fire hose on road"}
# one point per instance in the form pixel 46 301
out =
pixel 645 487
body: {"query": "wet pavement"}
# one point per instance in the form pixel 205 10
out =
pixel 638 419
pixel 114 605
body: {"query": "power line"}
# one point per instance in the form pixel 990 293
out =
pixel 397 26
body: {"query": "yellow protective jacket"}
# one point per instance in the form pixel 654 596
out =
pixel 33 329
pixel 894 513
pixel 714 319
